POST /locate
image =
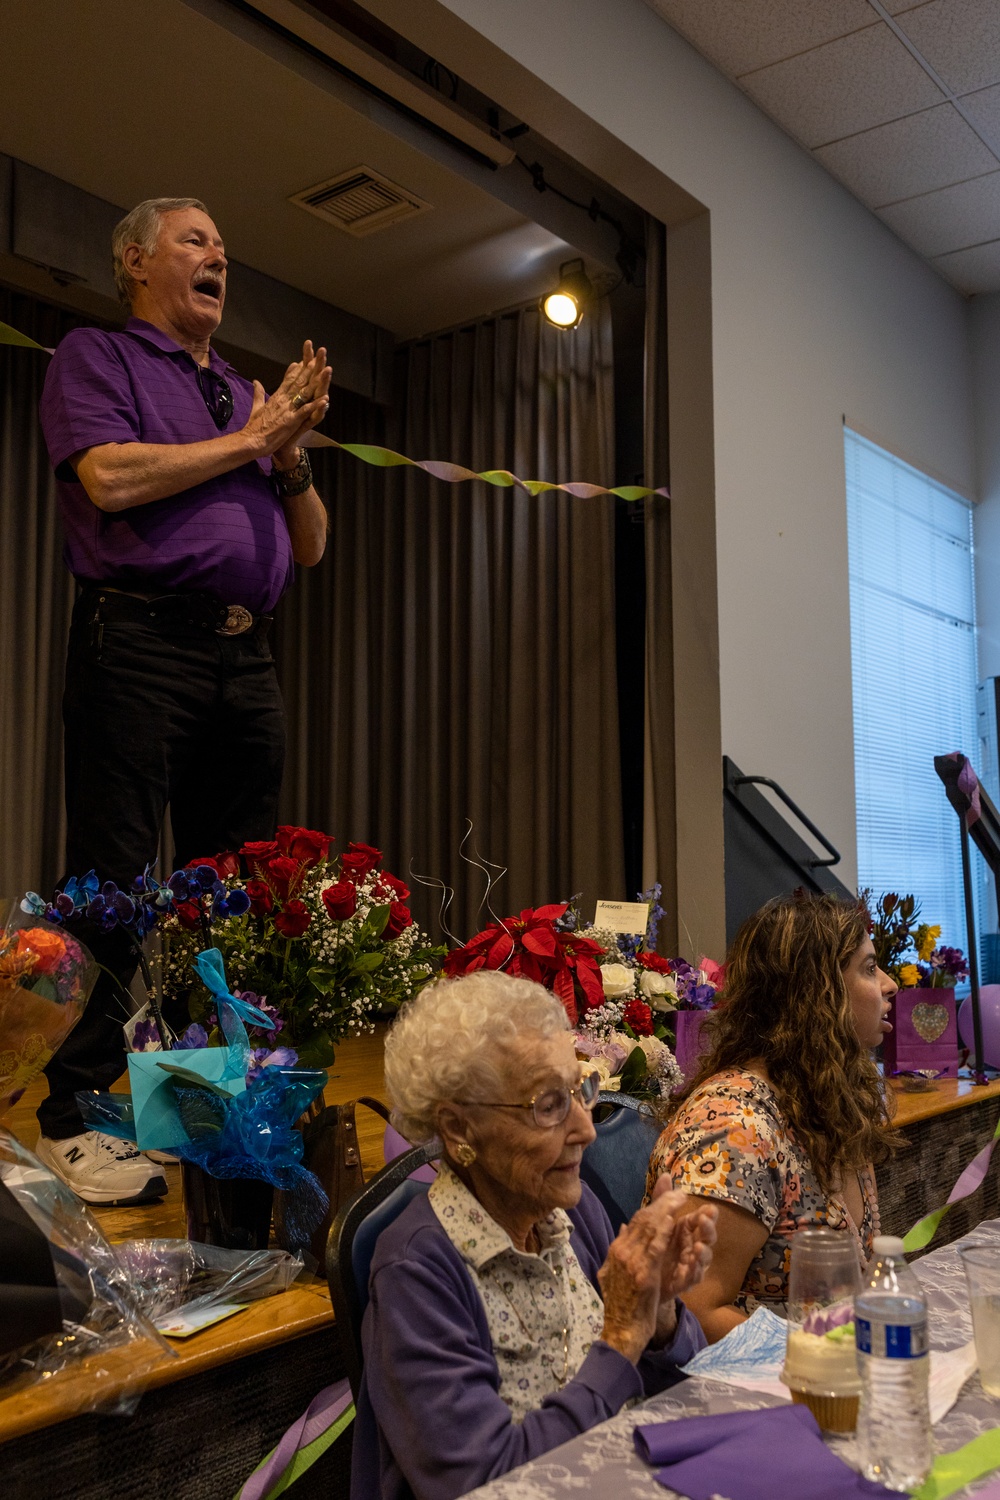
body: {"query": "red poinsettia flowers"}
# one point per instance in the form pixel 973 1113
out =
pixel 533 947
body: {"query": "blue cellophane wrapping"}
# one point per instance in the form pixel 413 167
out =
pixel 252 1135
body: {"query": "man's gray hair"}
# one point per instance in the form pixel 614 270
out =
pixel 452 1039
pixel 142 227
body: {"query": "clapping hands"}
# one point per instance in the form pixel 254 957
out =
pixel 663 1251
pixel 299 403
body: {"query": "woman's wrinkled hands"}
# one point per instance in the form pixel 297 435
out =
pixel 658 1255
pixel 300 402
pixel 688 1254
pixel 631 1277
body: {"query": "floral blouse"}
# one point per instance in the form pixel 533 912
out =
pixel 542 1312
pixel 730 1141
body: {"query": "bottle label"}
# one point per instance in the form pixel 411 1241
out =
pixel 890 1340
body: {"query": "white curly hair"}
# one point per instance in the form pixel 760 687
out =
pixel 448 1040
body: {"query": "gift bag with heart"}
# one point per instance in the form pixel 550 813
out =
pixel 924 1033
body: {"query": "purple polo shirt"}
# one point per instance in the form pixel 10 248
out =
pixel 226 537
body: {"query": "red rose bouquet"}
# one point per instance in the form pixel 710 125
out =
pixel 317 942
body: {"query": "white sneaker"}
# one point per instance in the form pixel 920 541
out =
pixel 101 1169
pixel 163 1157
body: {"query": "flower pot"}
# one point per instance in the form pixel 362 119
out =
pixel 231 1212
pixel 924 1033
pixel 690 1045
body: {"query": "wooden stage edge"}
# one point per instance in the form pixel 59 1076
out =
pixel 304 1309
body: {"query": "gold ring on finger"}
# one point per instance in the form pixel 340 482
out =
pixel 297 400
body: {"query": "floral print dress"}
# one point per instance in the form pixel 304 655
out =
pixel 730 1141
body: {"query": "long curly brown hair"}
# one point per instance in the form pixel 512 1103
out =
pixel 786 1004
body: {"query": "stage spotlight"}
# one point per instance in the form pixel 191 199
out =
pixel 564 307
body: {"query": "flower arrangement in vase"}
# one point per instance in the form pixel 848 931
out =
pixel 617 992
pixel 272 970
pixel 323 945
pixel 924 1036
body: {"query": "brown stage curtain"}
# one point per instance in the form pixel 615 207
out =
pixel 453 657
pixel 36 599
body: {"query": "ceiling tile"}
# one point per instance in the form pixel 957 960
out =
pixel 976 270
pixel 984 108
pixel 742 35
pixel 953 219
pixel 959 38
pixel 909 156
pixel 847 86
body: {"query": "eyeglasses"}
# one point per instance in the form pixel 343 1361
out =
pixel 550 1108
pixel 216 394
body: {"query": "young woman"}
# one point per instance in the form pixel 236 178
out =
pixel 788 1112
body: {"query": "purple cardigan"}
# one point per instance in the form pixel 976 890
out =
pixel 431 1424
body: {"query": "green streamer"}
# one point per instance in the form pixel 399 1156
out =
pixel 305 1458
pixel 971 1178
pixel 10 335
pixel 385 458
pixel 953 1471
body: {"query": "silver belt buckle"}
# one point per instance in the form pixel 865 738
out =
pixel 238 619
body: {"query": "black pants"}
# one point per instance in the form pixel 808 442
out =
pixel 154 714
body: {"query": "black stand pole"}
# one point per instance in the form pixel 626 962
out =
pixel 978 1071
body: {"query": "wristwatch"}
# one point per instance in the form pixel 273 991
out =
pixel 294 481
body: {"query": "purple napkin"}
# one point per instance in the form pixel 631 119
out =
pixel 669 1442
pixel 751 1455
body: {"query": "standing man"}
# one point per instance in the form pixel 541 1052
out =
pixel 186 501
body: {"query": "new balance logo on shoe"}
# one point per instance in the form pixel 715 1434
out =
pixel 102 1169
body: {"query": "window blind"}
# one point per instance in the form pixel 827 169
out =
pixel 913 652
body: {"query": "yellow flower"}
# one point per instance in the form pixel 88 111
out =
pixel 925 941
pixel 909 976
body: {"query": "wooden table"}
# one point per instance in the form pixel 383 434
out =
pixel 944 1097
pixel 233 1389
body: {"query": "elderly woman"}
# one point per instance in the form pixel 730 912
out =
pixel 504 1318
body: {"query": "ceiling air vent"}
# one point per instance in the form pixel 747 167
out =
pixel 360 202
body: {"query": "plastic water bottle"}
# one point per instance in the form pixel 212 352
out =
pixel 890 1328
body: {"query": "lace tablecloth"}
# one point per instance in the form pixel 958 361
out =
pixel 602 1464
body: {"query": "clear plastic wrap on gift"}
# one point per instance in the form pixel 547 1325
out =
pixel 65 1297
pixel 46 977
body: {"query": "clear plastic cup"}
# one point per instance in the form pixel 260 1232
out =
pixel 982 1275
pixel 820 1362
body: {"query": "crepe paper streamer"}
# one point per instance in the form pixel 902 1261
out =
pixel 953 1471
pixel 10 335
pixel 385 458
pixel 322 1422
pixel 991 1492
pixel 924 1230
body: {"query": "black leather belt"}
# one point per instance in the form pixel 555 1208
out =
pixel 196 611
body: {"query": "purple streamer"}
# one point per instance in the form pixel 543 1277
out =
pixel 321 1413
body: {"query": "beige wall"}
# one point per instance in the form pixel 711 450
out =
pixel 817 312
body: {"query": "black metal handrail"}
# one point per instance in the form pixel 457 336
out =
pixel 779 791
